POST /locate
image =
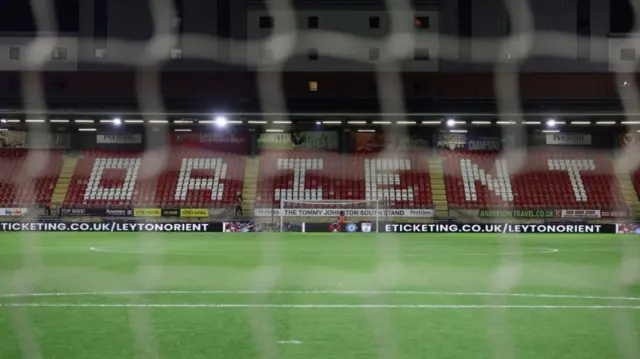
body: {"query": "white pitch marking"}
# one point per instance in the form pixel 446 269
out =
pixel 289 342
pixel 540 251
pixel 109 249
pixel 311 306
pixel 314 292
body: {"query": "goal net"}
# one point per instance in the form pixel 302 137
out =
pixel 29 271
pixel 327 211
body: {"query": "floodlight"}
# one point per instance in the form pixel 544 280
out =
pixel 221 121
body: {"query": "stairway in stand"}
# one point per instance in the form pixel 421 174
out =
pixel 69 163
pixel 628 191
pixel 438 189
pixel 250 184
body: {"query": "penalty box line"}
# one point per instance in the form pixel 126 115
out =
pixel 312 306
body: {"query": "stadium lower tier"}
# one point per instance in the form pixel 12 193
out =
pixel 401 182
pixel 156 179
pixel 28 177
pixel 545 179
pixel 188 178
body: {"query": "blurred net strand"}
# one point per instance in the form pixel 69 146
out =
pixel 26 279
pixel 398 45
pixel 628 343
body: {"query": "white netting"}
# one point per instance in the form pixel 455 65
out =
pixel 505 54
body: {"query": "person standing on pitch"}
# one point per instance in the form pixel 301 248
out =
pixel 342 220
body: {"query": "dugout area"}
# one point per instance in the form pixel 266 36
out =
pixel 262 295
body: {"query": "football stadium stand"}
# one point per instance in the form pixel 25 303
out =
pixel 202 179
pixel 183 179
pixel 635 177
pixel 27 177
pixel 403 180
pixel 550 179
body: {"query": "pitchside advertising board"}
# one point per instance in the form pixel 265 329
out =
pixel 505 228
pixel 250 226
pixel 581 213
pixel 13 212
pixel 468 228
pixel 97 212
pixel 499 228
pixel 171 212
pixel 513 213
pixel 351 227
pixel 135 212
pixel 349 212
pixel 114 226
pixel 540 213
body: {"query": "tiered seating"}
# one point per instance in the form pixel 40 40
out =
pixel 103 178
pixel 569 180
pixel 635 177
pixel 200 179
pixel 311 176
pixel 172 179
pixel 28 177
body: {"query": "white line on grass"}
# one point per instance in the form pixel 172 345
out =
pixel 113 249
pixel 289 342
pixel 314 292
pixel 311 306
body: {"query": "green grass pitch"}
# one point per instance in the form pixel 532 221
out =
pixel 311 296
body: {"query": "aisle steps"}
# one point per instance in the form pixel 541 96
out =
pixel 69 163
pixel 438 189
pixel 250 184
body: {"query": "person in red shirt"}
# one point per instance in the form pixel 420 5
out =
pixel 342 220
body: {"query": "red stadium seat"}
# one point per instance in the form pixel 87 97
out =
pixel 311 176
pixel 636 181
pixel 28 176
pixel 180 178
pixel 548 180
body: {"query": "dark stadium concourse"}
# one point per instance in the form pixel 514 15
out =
pixel 187 92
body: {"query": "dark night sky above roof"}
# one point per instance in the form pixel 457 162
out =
pixel 16 16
